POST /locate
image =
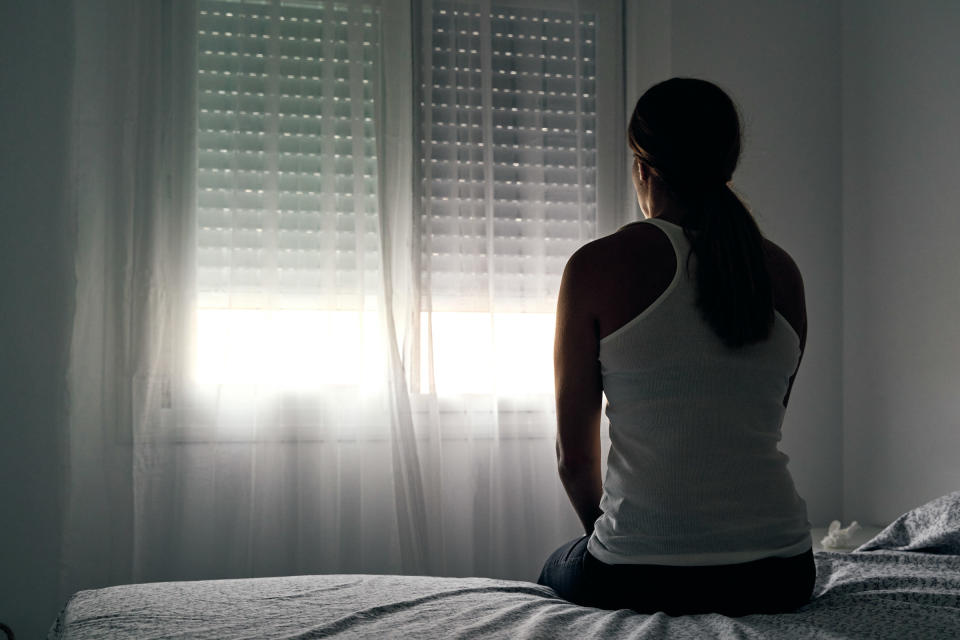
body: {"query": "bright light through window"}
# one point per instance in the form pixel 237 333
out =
pixel 290 349
pixel 509 354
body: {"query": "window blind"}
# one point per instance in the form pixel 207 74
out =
pixel 509 164
pixel 287 167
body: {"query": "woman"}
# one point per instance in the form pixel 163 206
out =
pixel 693 325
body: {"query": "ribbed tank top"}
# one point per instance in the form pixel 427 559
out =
pixel 694 475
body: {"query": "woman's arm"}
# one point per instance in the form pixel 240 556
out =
pixel 579 388
pixel 788 298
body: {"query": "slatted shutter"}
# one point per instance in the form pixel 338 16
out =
pixel 287 167
pixel 510 152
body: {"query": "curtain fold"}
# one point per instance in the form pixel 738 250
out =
pixel 395 113
pixel 252 207
pixel 131 149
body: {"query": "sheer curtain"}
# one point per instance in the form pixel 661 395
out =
pixel 507 180
pixel 316 276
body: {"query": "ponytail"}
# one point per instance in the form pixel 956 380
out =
pixel 734 291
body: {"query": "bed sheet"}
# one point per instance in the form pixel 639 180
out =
pixel 859 595
pixel 905 583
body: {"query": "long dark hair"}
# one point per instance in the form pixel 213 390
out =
pixel 688 133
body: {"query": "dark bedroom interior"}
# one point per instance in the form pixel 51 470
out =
pixel 280 285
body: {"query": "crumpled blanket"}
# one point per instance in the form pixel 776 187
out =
pixel 931 528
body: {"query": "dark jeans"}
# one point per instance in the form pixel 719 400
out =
pixel 770 585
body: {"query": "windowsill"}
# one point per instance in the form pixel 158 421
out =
pixel 341 414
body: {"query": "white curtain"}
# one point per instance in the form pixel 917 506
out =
pixel 508 192
pixel 314 315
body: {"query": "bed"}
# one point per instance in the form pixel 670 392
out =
pixel 904 583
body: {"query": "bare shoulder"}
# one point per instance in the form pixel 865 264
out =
pixel 788 290
pixel 618 254
pixel 780 259
pixel 586 260
pixel 782 267
pixel 616 277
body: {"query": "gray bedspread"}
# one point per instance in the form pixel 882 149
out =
pixel 882 593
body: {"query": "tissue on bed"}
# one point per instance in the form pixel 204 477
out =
pixel 838 538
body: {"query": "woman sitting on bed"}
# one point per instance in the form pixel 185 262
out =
pixel 693 325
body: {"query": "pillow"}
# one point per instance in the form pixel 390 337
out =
pixel 931 528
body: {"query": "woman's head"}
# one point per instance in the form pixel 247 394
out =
pixel 687 133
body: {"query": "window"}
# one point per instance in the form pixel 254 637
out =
pixel 508 186
pixel 287 242
pixel 511 181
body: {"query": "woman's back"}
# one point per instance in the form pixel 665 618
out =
pixel 694 475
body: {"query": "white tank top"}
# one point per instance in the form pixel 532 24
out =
pixel 694 476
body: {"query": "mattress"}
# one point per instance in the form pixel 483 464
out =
pixel 905 583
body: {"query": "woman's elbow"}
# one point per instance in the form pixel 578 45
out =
pixel 574 466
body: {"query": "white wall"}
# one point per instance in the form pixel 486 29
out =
pixel 36 303
pixel 781 63
pixel 901 229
